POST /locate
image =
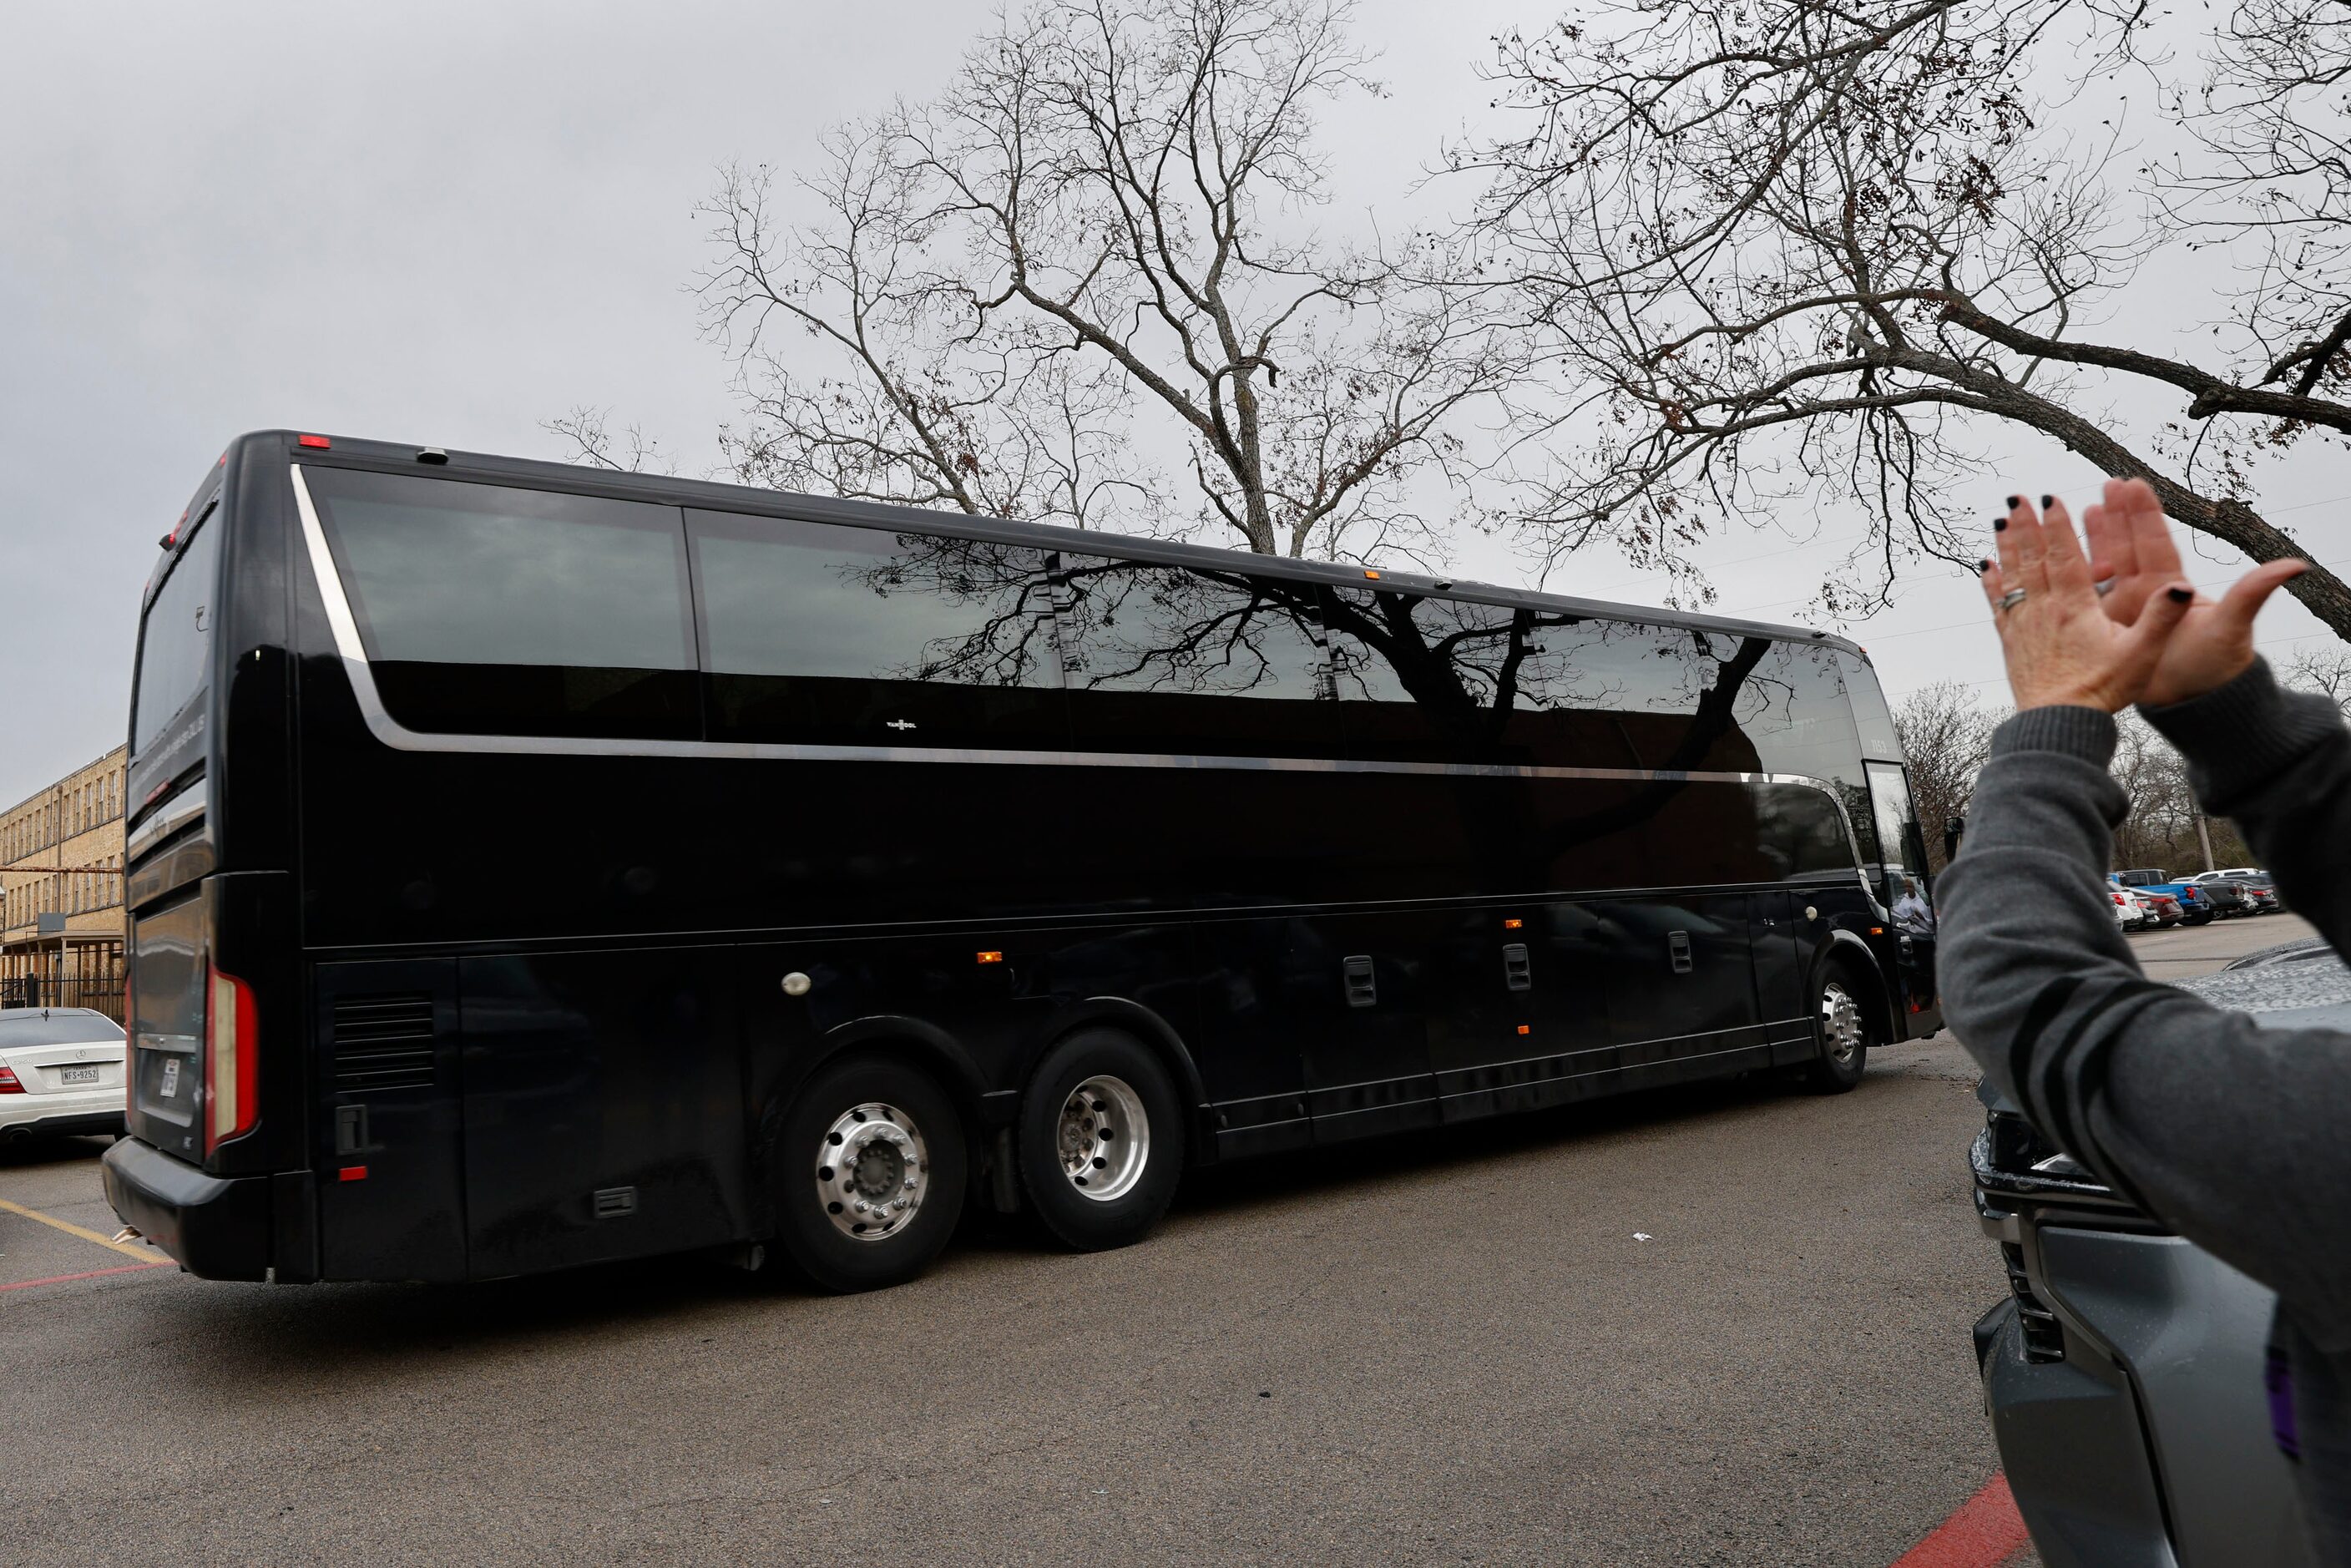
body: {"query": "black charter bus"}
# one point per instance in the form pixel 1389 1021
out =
pixel 532 866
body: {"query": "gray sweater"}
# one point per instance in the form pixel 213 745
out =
pixel 2233 1135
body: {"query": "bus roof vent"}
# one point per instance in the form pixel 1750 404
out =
pixel 382 1042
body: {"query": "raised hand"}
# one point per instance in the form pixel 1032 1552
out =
pixel 2063 646
pixel 2131 543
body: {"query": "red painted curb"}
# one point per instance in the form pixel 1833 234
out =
pixel 1982 1532
pixel 84 1274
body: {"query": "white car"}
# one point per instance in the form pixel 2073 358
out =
pixel 2131 912
pixel 61 1073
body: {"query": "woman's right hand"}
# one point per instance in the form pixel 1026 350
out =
pixel 2131 543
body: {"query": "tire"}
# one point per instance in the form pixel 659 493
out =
pixel 1099 1167
pixel 1842 1030
pixel 905 1140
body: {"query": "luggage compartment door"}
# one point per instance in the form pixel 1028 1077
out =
pixel 388 1144
pixel 604 1106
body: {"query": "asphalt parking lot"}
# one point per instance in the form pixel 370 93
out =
pixel 1721 1326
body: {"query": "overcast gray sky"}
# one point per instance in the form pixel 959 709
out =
pixel 445 223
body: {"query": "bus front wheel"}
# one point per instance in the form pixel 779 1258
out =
pixel 869 1175
pixel 1841 1029
pixel 1101 1141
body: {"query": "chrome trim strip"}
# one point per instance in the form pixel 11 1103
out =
pixel 1595 1072
pixel 166 820
pixel 1612 1045
pixel 392 733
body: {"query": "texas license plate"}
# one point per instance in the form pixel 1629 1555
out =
pixel 78 1075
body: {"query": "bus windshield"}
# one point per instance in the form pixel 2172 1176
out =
pixel 175 649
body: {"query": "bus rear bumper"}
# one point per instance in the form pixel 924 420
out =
pixel 217 1227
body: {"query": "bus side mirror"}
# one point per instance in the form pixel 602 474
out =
pixel 1952 828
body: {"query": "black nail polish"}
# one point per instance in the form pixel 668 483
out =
pixel 2014 502
pixel 2000 525
pixel 2047 502
pixel 2180 595
pixel 1982 566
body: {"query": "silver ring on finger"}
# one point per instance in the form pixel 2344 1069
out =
pixel 2011 599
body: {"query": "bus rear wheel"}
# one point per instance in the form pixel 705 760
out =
pixel 1841 1029
pixel 869 1175
pixel 1100 1141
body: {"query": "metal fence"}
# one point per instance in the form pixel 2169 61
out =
pixel 103 993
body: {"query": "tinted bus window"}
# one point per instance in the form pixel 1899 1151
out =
pixel 1800 833
pixel 1876 722
pixel 486 609
pixel 1443 678
pixel 818 634
pixel 1423 679
pixel 1164 659
pixel 176 644
pixel 1795 708
pixel 1899 840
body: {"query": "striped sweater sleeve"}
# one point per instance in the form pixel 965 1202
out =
pixel 2232 1135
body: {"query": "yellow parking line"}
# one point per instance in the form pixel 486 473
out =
pixel 143 1253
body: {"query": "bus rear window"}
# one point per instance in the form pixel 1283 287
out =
pixel 831 635
pixel 176 644
pixel 488 609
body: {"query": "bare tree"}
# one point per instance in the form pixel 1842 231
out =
pixel 1094 246
pixel 585 428
pixel 2326 671
pixel 2161 810
pixel 1946 734
pixel 1802 249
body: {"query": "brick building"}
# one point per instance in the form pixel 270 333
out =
pixel 61 853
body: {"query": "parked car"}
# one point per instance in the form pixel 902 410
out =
pixel 2260 893
pixel 2264 893
pixel 2131 911
pixel 2123 1372
pixel 61 1073
pixel 2167 904
pixel 2194 906
pixel 2228 898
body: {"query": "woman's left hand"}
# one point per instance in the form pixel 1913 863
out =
pixel 2062 647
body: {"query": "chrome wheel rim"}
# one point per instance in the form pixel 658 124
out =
pixel 872 1171
pixel 1104 1138
pixel 1840 1024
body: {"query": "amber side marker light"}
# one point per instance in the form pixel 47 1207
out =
pixel 1877 931
pixel 1526 1029
pixel 1373 575
pixel 1512 924
pixel 991 957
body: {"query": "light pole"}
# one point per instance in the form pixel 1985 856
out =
pixel 55 922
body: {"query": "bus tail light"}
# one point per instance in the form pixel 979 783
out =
pixel 233 1050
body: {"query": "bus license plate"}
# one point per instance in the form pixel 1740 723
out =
pixel 78 1075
